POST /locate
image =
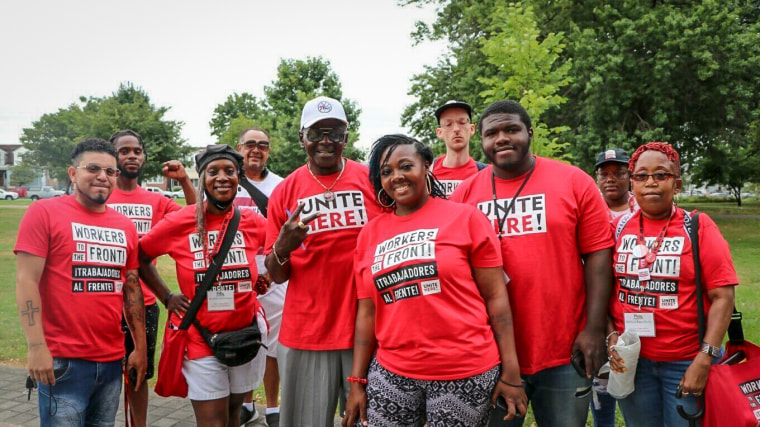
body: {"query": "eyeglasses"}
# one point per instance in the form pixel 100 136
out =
pixel 95 169
pixel 604 176
pixel 658 177
pixel 262 145
pixel 333 134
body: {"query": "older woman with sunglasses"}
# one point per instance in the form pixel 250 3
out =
pixel 655 293
pixel 433 303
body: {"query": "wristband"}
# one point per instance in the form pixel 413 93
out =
pixel 277 258
pixel 357 380
pixel 166 300
pixel 510 384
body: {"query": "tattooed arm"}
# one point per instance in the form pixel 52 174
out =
pixel 28 272
pixel 134 311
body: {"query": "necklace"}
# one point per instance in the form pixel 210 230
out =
pixel 500 221
pixel 329 195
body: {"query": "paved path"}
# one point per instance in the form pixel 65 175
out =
pixel 16 410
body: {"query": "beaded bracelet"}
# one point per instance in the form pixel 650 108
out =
pixel 357 380
pixel 510 384
pixel 607 339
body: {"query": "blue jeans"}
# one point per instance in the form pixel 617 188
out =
pixel 552 393
pixel 605 415
pixel 653 402
pixel 85 393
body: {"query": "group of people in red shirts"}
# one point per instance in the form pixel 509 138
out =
pixel 413 290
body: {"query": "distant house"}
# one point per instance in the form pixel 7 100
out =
pixel 10 155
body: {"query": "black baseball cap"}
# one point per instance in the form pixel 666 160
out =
pixel 617 155
pixel 452 104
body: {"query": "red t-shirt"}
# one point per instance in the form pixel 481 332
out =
pixel 145 209
pixel 417 270
pixel 558 216
pixel 320 305
pixel 86 256
pixel 231 301
pixel 671 292
pixel 452 177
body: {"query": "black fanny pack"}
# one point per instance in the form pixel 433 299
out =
pixel 233 348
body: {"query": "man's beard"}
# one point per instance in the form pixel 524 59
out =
pixel 131 175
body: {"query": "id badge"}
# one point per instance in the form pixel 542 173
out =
pixel 644 274
pixel 641 323
pixel 221 297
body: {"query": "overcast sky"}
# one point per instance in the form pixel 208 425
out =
pixel 190 55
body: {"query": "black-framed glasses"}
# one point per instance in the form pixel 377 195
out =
pixel 333 134
pixel 658 177
pixel 262 145
pixel 95 169
pixel 604 176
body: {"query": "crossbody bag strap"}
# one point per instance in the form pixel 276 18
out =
pixel 692 225
pixel 212 272
pixel 261 200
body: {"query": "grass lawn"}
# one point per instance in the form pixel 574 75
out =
pixel 742 234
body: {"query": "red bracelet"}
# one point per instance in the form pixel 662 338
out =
pixel 357 380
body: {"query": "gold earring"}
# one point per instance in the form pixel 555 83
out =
pixel 380 194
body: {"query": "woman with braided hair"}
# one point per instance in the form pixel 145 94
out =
pixel 655 293
pixel 432 302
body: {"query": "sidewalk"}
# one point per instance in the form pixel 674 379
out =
pixel 16 410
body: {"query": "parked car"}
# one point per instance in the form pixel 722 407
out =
pixel 8 195
pixel 176 194
pixel 158 191
pixel 44 192
pixel 719 195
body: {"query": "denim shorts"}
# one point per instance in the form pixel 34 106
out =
pixel 85 393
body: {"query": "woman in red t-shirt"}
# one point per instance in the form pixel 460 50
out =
pixel 428 276
pixel 189 236
pixel 655 293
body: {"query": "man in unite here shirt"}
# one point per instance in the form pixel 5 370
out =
pixel 76 272
pixel 556 244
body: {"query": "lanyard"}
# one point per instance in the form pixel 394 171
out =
pixel 220 237
pixel 647 256
pixel 499 220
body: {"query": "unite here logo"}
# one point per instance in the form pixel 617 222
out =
pixel 526 216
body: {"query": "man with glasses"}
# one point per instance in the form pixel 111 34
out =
pixel 76 273
pixel 612 177
pixel 145 209
pixel 253 193
pixel 313 222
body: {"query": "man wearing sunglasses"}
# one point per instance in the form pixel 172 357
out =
pixel 76 273
pixel 313 222
pixel 613 179
pixel 253 193
pixel 145 209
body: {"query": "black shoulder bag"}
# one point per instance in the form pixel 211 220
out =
pixel 261 200
pixel 231 348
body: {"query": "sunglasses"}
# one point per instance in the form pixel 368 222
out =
pixel 604 176
pixel 333 134
pixel 95 169
pixel 658 177
pixel 262 145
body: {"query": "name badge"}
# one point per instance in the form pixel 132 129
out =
pixel 644 274
pixel 221 298
pixel 641 323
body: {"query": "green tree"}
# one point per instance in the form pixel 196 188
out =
pixel 51 139
pixel 528 70
pixel 682 72
pixel 279 112
pixel 24 173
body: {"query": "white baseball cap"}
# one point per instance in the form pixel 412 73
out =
pixel 321 108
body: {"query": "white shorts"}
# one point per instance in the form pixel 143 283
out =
pixel 208 379
pixel 273 301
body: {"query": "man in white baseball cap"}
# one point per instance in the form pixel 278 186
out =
pixel 313 220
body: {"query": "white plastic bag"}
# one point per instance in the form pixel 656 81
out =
pixel 621 384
